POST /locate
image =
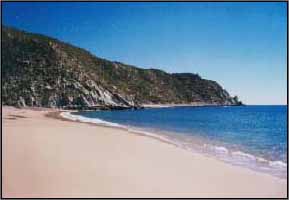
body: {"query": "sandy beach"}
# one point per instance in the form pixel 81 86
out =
pixel 48 157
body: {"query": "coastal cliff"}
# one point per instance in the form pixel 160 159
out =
pixel 45 72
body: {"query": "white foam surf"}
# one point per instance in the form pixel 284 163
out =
pixel 217 149
pixel 278 164
pixel 243 156
pixel 70 116
pixel 277 168
pixel 74 117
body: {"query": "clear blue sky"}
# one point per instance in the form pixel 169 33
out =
pixel 240 45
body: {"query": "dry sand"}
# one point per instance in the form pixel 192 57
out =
pixel 48 157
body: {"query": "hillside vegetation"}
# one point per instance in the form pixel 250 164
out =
pixel 45 72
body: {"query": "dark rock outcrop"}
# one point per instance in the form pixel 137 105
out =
pixel 42 71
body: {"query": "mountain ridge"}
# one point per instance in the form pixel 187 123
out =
pixel 45 72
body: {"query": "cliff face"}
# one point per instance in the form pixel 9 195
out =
pixel 42 71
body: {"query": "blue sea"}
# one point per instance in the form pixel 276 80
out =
pixel 250 136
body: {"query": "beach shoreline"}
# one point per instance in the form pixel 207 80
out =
pixel 183 105
pixel 197 145
pixel 112 163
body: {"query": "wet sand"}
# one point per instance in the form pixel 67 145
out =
pixel 49 157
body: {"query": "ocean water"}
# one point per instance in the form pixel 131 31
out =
pixel 251 136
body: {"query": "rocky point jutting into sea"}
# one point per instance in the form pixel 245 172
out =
pixel 44 72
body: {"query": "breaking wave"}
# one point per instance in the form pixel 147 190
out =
pixel 277 168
